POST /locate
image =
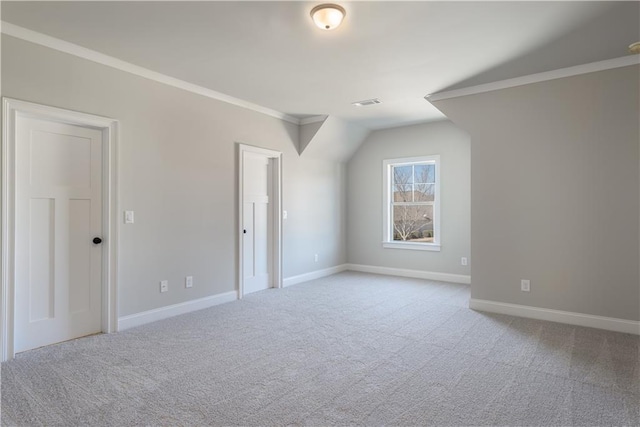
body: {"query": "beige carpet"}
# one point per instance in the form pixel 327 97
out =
pixel 348 349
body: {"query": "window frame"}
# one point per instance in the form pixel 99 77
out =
pixel 387 205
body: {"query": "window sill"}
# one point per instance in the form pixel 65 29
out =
pixel 412 246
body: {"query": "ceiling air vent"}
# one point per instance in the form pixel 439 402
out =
pixel 372 101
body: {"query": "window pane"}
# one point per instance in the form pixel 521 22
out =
pixel 420 173
pixel 424 193
pixel 403 175
pixel 402 193
pixel 425 173
pixel 413 223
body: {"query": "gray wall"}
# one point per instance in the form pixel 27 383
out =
pixel 555 177
pixel 365 187
pixel 178 173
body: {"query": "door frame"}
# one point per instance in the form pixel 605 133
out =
pixel 11 110
pixel 275 202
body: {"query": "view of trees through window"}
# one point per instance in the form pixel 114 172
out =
pixel 414 188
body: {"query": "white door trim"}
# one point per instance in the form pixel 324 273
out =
pixel 276 217
pixel 11 109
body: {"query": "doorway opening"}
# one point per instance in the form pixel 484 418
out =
pixel 259 219
pixel 58 235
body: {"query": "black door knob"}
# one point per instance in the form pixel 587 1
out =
pixel 97 240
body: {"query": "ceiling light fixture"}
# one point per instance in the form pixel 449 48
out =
pixel 328 16
pixel 634 47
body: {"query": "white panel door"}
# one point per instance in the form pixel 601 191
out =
pixel 58 290
pixel 257 235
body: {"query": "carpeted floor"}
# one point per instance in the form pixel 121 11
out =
pixel 347 349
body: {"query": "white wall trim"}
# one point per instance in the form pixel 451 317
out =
pixel 417 274
pixel 11 109
pixel 571 318
pixel 294 280
pixel 100 58
pixel 154 315
pixel 313 119
pixel 592 67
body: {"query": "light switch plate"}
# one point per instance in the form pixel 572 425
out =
pixel 284 214
pixel 164 286
pixel 128 217
pixel 188 282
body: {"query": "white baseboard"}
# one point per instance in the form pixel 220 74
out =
pixel 294 280
pixel 138 319
pixel 579 319
pixel 417 274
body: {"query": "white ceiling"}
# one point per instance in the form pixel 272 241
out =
pixel 271 54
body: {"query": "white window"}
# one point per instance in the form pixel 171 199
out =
pixel 412 203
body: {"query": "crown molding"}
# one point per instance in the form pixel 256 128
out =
pixel 313 119
pixel 100 58
pixel 577 70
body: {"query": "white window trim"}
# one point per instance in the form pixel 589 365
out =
pixel 387 239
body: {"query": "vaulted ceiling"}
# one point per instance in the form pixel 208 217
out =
pixel 271 54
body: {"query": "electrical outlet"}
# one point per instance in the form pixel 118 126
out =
pixel 188 282
pixel 315 258
pixel 464 261
pixel 164 286
pixel 525 285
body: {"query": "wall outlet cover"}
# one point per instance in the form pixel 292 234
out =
pixel 525 285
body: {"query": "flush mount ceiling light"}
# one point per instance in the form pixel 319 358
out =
pixel 634 47
pixel 328 16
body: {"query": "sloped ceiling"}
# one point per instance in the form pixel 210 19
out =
pixel 270 53
pixel 333 139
